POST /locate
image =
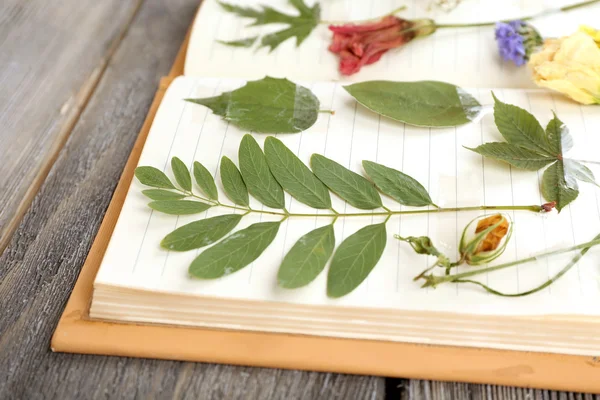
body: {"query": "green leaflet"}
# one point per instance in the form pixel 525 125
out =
pixel 160 194
pixel 350 186
pixel 578 171
pixel 399 186
pixel 559 138
pixel 556 188
pixel 179 207
pixel 520 128
pixel 269 105
pixel 200 233
pixel 307 258
pixel 516 156
pixel 182 175
pixel 248 42
pixel 424 103
pixel 205 181
pixel 233 184
pixel 234 252
pixel 294 176
pixel 354 259
pixel 257 176
pixel 298 26
pixel 153 177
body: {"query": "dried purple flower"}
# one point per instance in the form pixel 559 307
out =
pixel 517 40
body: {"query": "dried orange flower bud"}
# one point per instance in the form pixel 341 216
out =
pixel 487 241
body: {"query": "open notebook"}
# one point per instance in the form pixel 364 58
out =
pixel 140 282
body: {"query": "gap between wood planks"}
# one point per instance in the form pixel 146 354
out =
pixel 74 107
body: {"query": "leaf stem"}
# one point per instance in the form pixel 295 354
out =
pixel 395 11
pixel 434 280
pixel 527 18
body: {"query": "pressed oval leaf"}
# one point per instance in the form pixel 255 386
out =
pixel 520 128
pixel 233 184
pixel 516 156
pixel 399 186
pixel 307 258
pixel 258 178
pixel 182 175
pixel 354 259
pixel 205 181
pixel 294 176
pixel 235 251
pixel 201 233
pixel 423 103
pixel 558 136
pixel 269 105
pixel 350 186
pixel 160 194
pixel 556 187
pixel 153 177
pixel 179 207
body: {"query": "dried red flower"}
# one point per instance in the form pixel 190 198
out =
pixel 364 44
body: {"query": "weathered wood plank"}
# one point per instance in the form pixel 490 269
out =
pixel 40 266
pixel 51 55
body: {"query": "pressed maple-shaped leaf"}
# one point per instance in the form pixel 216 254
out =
pixel 529 146
pixel 298 26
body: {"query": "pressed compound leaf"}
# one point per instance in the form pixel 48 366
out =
pixel 153 177
pixel 182 175
pixel 269 105
pixel 556 187
pixel 558 136
pixel 294 176
pixel 205 181
pixel 350 186
pixel 307 258
pixel 257 176
pixel 520 128
pixel 179 207
pixel 354 259
pixel 200 233
pixel 399 186
pixel 233 184
pixel 519 157
pixel 160 194
pixel 235 251
pixel 424 103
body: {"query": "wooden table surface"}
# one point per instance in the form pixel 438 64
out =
pixel 76 80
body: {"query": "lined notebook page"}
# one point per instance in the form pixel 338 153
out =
pixel 466 57
pixel 453 175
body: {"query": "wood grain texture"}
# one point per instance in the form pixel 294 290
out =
pixel 41 264
pixel 51 56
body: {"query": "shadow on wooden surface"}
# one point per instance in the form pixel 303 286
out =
pixel 41 263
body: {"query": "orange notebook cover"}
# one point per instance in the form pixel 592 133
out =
pixel 77 333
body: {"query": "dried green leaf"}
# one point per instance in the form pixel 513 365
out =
pixel 235 251
pixel 269 105
pixel 520 128
pixel 257 176
pixel 294 176
pixel 182 175
pixel 205 181
pixel 201 233
pixel 248 42
pixel 233 184
pixel 354 260
pixel 307 258
pixel 160 194
pixel 424 103
pixel 577 170
pixel 558 136
pixel 153 177
pixel 350 186
pixel 421 245
pixel 179 207
pixel 516 156
pixel 557 187
pixel 299 26
pixel 399 186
